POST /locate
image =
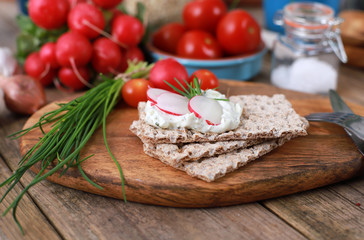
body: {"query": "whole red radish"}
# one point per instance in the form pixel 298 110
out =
pixel 131 54
pixel 106 55
pixel 166 38
pixel 134 54
pixel 47 54
pixel 115 13
pixel 203 14
pixel 107 4
pixel 127 30
pixel 35 68
pixel 168 70
pixel 73 3
pixel 48 14
pixel 68 77
pixel 73 48
pixel 86 19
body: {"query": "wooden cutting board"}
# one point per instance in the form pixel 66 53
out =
pixel 327 155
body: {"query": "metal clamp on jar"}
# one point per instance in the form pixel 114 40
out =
pixel 306 58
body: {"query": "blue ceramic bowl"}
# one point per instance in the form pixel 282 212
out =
pixel 242 67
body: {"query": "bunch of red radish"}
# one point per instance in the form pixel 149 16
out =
pixel 92 45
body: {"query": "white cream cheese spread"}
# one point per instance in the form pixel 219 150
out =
pixel 230 118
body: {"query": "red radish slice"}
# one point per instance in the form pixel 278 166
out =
pixel 153 94
pixel 206 108
pixel 173 103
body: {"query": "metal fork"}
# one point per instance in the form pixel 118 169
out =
pixel 352 122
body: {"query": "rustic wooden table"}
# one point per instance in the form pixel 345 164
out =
pixel 50 211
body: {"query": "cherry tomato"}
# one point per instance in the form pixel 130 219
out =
pixel 135 91
pixel 166 38
pixel 203 14
pixel 199 45
pixel 207 79
pixel 48 14
pixel 238 32
pixel 168 70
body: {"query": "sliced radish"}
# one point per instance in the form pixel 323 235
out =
pixel 206 108
pixel 153 94
pixel 172 103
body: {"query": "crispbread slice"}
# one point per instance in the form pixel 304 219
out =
pixel 176 154
pixel 263 117
pixel 211 168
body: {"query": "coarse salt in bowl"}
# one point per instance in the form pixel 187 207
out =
pixel 242 67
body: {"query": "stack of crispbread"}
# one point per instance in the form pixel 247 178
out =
pixel 266 123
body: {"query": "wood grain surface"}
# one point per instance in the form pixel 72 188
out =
pixel 301 164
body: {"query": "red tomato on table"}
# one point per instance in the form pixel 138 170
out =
pixel 238 32
pixel 207 79
pixel 198 44
pixel 135 91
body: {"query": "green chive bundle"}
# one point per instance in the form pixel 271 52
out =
pixel 73 124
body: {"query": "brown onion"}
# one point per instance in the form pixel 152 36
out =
pixel 22 94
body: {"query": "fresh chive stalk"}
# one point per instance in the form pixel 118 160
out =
pixel 73 124
pixel 193 89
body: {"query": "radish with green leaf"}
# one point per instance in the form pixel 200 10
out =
pixel 131 54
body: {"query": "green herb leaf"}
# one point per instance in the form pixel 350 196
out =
pixel 193 89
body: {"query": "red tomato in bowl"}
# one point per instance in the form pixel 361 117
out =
pixel 166 38
pixel 203 14
pixel 207 79
pixel 198 44
pixel 238 32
